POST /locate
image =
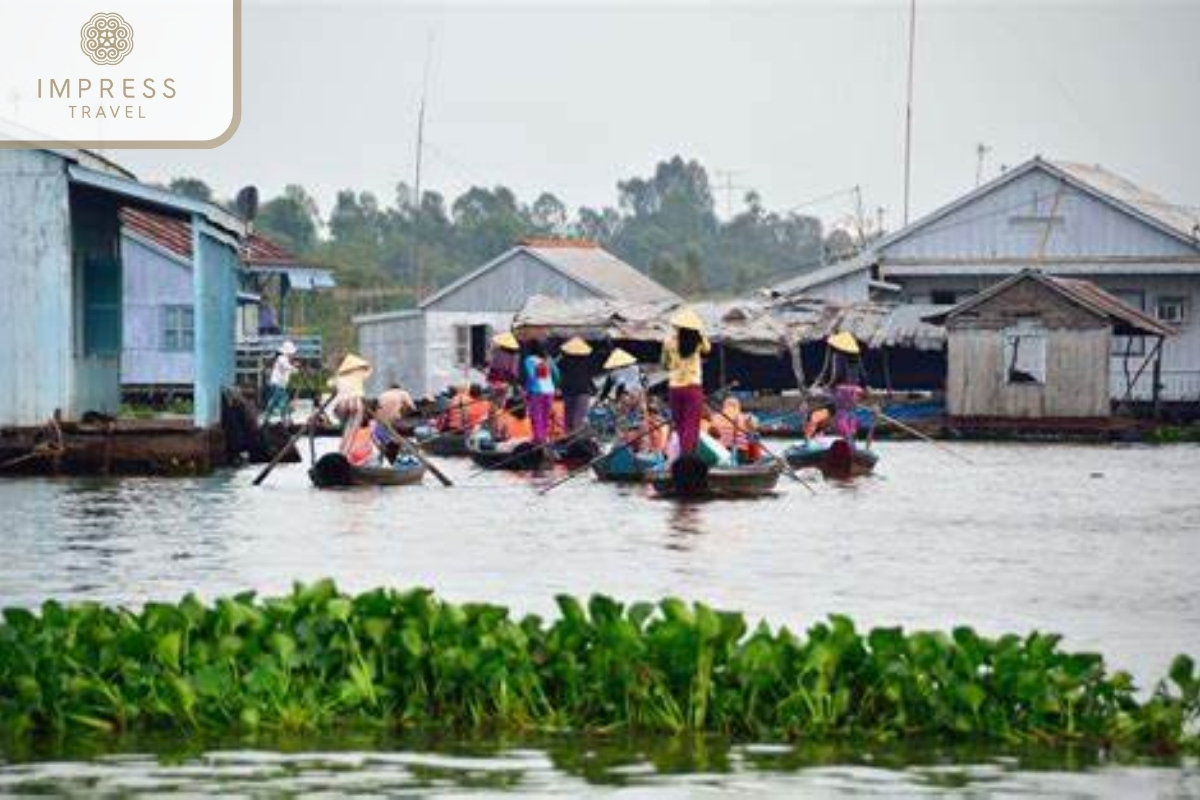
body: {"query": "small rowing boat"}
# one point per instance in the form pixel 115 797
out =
pixel 333 470
pixel 623 465
pixel 449 443
pixel 690 477
pixel 525 456
pixel 834 456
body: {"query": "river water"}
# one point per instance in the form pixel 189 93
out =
pixel 1101 544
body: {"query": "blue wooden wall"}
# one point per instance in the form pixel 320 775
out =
pixel 215 284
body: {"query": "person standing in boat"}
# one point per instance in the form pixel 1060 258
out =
pixel 847 382
pixel 350 386
pixel 504 367
pixel 575 367
pixel 540 375
pixel 278 394
pixel 683 357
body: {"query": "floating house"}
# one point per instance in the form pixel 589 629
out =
pixel 1070 220
pixel 445 339
pixel 1036 347
pixel 63 305
pixel 159 306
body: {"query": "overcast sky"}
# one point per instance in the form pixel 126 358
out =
pixel 797 100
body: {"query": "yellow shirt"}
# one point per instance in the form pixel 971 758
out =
pixel 685 371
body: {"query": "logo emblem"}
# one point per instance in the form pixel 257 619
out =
pixel 106 38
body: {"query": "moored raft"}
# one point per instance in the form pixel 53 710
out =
pixel 332 470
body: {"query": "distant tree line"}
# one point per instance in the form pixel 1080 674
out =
pixel 388 254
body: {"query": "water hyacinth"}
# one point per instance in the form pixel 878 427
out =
pixel 318 658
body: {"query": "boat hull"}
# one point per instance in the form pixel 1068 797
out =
pixel 332 470
pixel 750 480
pixel 837 459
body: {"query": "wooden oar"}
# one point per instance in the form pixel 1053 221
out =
pixel 262 476
pixel 413 450
pixel 787 468
pixel 924 437
pixel 603 456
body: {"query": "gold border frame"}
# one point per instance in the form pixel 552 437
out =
pixel 160 144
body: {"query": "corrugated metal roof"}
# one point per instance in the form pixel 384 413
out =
pixel 748 325
pixel 821 276
pixel 595 267
pixel 580 260
pixel 258 249
pixel 1125 318
pixel 1182 219
pixel 170 233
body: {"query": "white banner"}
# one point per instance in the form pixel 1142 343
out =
pixel 119 73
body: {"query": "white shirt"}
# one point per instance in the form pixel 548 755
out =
pixel 281 372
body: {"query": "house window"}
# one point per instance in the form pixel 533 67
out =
pixel 471 344
pixel 1172 309
pixel 1123 346
pixel 179 328
pixel 462 345
pixel 1025 352
pixel 943 297
pixel 102 307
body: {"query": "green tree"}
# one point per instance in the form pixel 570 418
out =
pixel 291 219
pixel 193 188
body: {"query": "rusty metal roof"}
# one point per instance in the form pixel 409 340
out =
pixel 749 325
pixel 170 233
pixel 1125 319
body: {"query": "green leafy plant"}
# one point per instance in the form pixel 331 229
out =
pixel 317 658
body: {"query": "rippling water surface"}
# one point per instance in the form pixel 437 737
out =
pixel 1099 543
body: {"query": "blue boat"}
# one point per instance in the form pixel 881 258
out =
pixel 622 465
pixel 834 456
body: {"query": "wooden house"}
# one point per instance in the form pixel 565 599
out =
pixel 1072 220
pixel 64 299
pixel 1036 347
pixel 158 309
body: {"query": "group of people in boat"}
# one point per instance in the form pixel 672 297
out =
pixel 530 395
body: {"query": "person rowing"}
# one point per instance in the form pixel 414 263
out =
pixel 349 383
pixel 683 357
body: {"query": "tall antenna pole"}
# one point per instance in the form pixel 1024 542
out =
pixel 912 38
pixel 981 151
pixel 418 277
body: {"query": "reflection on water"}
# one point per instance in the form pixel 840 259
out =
pixel 683 766
pixel 1099 543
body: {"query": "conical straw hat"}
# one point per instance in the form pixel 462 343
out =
pixel 844 342
pixel 619 358
pixel 577 347
pixel 506 340
pixel 353 363
pixel 688 319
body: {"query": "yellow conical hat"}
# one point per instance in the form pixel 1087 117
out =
pixel 353 363
pixel 686 318
pixel 577 347
pixel 619 358
pixel 844 341
pixel 506 341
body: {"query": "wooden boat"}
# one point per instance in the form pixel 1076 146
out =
pixel 333 470
pixel 835 457
pixel 690 477
pixel 451 443
pixel 622 465
pixel 526 456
